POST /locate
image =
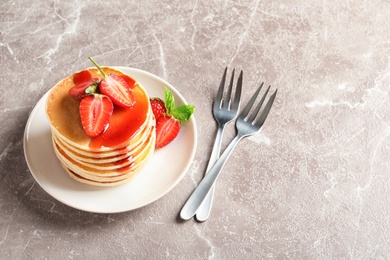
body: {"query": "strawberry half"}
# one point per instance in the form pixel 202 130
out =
pixel 167 129
pixel 158 107
pixel 95 113
pixel 169 117
pixel 83 89
pixel 116 88
pixel 82 76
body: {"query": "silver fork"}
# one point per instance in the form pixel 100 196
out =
pixel 246 125
pixel 225 109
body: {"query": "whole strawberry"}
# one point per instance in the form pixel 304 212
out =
pixel 169 118
pixel 158 107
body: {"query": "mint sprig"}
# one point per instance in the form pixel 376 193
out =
pixel 182 113
pixel 169 101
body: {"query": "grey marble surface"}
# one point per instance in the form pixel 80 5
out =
pixel 313 184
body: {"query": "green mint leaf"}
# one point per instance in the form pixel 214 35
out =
pixel 169 100
pixel 183 112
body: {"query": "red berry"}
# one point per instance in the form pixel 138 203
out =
pixel 80 90
pixel 158 107
pixel 95 113
pixel 82 76
pixel 118 90
pixel 167 129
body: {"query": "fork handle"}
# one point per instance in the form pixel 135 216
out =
pixel 199 194
pixel 203 212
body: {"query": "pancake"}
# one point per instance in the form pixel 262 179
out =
pixel 124 167
pixel 63 113
pixel 112 180
pixel 110 163
pixel 114 156
pixel 134 142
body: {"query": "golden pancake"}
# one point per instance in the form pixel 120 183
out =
pixel 112 180
pixel 134 142
pixel 114 156
pixel 124 167
pixel 63 113
pixel 95 164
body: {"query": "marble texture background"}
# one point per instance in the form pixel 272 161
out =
pixel 313 184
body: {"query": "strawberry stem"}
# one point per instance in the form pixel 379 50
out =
pixel 98 67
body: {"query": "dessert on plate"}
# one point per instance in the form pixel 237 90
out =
pixel 102 125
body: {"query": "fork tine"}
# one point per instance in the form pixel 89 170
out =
pixel 218 98
pixel 237 94
pixel 266 110
pixel 248 106
pixel 226 101
pixel 252 117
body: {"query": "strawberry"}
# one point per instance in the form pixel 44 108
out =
pixel 83 89
pixel 85 85
pixel 95 113
pixel 158 107
pixel 169 117
pixel 82 76
pixel 167 129
pixel 116 88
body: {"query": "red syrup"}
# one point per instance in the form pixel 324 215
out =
pixel 131 159
pixel 125 168
pixel 124 123
pixel 130 81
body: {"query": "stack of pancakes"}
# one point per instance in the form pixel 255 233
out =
pixel 111 158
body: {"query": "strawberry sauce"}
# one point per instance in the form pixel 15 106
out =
pixel 124 123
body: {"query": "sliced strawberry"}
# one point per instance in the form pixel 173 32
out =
pixel 158 107
pixel 116 88
pixel 167 129
pixel 83 89
pixel 95 113
pixel 82 76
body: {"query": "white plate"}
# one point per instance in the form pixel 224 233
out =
pixel 165 168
